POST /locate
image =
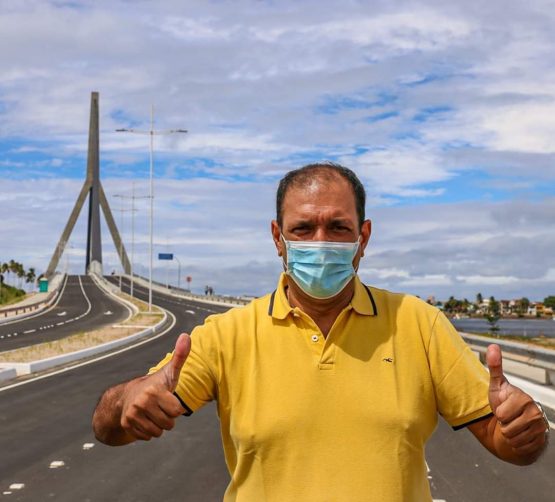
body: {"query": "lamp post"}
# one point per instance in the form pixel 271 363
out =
pixel 151 132
pixel 132 197
pixel 178 272
pixel 122 210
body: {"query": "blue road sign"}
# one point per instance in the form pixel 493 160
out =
pixel 165 256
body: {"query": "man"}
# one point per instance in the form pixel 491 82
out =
pixel 327 389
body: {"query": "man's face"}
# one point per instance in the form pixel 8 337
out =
pixel 324 210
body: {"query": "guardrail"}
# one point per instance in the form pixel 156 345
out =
pixel 193 296
pixel 18 311
pixel 516 351
pixel 519 352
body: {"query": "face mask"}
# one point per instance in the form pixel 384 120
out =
pixel 321 269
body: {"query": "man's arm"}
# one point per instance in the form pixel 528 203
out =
pixel 144 407
pixel 517 431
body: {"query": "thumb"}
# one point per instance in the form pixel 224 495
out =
pixel 498 384
pixel 180 354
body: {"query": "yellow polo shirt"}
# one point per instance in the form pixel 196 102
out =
pixel 341 418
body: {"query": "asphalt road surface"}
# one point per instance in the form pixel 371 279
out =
pixel 48 421
pixel 82 306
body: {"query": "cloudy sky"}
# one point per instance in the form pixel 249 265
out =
pixel 446 110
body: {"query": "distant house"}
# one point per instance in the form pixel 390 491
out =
pixel 505 307
pixel 536 309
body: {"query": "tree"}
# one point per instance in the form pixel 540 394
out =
pixel 20 272
pixel 549 301
pixel 479 299
pixel 493 314
pixel 522 306
pixel 12 267
pixel 31 275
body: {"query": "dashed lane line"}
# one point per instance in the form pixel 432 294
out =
pixel 90 361
pixel 61 323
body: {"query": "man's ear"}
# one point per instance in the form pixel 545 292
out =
pixel 365 232
pixel 276 236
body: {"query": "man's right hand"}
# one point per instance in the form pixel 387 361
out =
pixel 148 405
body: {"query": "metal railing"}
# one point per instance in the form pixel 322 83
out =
pixel 537 357
pixel 31 307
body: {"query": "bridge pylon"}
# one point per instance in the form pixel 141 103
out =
pixel 92 188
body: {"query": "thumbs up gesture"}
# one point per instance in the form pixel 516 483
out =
pixel 148 405
pixel 520 421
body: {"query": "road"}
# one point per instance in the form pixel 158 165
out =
pixel 82 306
pixel 49 420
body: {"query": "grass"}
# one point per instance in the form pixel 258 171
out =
pixel 83 340
pixel 9 295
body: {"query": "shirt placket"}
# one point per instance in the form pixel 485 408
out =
pixel 322 349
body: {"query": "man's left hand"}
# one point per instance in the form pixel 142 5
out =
pixel 519 420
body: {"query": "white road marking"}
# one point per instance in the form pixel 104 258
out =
pixel 108 312
pixel 17 486
pixel 60 323
pixel 57 463
pixel 190 312
pixel 88 446
pixel 90 361
pixel 62 313
pixel 6 493
pixel 29 331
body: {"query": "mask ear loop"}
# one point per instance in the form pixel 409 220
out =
pixel 284 254
pixel 356 251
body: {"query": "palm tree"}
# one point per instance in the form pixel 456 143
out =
pixel 20 274
pixel 3 270
pixel 12 267
pixel 31 275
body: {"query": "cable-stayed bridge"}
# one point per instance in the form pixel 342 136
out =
pixel 48 450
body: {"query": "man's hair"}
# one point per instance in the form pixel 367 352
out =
pixel 328 171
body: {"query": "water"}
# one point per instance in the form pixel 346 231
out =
pixel 522 327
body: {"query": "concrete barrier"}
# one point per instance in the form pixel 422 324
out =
pixel 51 362
pixel 28 308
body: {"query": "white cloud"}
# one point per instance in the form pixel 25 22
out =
pixel 414 96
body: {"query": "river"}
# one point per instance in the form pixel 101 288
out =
pixel 523 327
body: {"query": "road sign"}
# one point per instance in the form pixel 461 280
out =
pixel 165 256
pixel 189 278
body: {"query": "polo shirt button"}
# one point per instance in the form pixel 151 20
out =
pixel 314 338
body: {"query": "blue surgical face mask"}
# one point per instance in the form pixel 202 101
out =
pixel 321 269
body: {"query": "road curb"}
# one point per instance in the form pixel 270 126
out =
pixel 34 308
pixel 51 362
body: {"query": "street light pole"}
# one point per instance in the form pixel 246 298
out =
pixel 132 197
pixel 152 132
pixel 122 210
pixel 178 272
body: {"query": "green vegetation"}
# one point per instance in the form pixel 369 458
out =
pixel 12 276
pixel 9 294
pixel 492 310
pixel 549 301
pixel 493 314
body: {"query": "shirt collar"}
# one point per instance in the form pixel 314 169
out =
pixel 362 302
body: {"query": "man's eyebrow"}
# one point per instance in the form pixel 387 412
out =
pixel 302 222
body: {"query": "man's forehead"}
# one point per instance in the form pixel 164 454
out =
pixel 314 200
pixel 320 187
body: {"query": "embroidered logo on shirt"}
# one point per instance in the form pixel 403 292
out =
pixel 387 360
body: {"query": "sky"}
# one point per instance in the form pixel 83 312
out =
pixel 445 110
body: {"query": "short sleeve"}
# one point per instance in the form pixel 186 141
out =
pixel 197 382
pixel 460 381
